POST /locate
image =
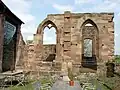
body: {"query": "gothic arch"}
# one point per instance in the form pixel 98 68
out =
pixel 40 31
pixel 90 33
pixel 45 23
pixel 91 22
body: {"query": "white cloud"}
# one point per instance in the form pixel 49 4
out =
pixel 118 14
pixel 116 35
pixel 63 8
pixel 21 8
pixel 105 6
pixel 83 1
pixel 30 37
pixel 110 6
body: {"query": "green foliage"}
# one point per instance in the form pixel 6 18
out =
pixel 117 58
pixel 109 83
pixel 26 87
pixel 46 80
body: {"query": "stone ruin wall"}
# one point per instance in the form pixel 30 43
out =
pixel 49 52
pixel 69 38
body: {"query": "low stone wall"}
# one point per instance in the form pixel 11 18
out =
pixel 49 52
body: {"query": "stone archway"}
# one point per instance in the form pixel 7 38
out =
pixel 39 36
pixel 90 46
pixel 71 31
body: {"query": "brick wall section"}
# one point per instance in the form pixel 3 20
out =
pixel 48 51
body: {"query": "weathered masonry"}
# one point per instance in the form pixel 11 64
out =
pixel 10 37
pixel 83 39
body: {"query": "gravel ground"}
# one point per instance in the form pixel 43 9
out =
pixel 62 85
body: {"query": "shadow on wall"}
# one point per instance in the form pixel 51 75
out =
pixel 9 56
pixel 89 62
pixel 49 52
pixel 51 57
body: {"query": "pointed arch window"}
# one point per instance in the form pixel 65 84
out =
pixel 49 35
pixel 49 42
pixel 90 47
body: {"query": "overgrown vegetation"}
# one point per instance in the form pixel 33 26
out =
pixel 26 87
pixel 101 83
pixel 117 58
pixel 48 80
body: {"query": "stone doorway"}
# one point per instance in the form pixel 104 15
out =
pixel 90 44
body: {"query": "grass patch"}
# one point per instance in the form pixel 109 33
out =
pixel 26 87
pixel 29 86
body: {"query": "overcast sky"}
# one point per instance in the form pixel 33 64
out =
pixel 32 12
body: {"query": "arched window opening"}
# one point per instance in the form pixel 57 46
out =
pixel 90 44
pixel 49 36
pixel 49 43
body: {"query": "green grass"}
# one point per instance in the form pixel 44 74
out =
pixel 26 87
pixel 29 86
pixel 104 83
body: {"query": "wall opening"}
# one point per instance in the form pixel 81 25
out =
pixel 49 36
pixel 49 43
pixel 90 44
pixel 88 48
